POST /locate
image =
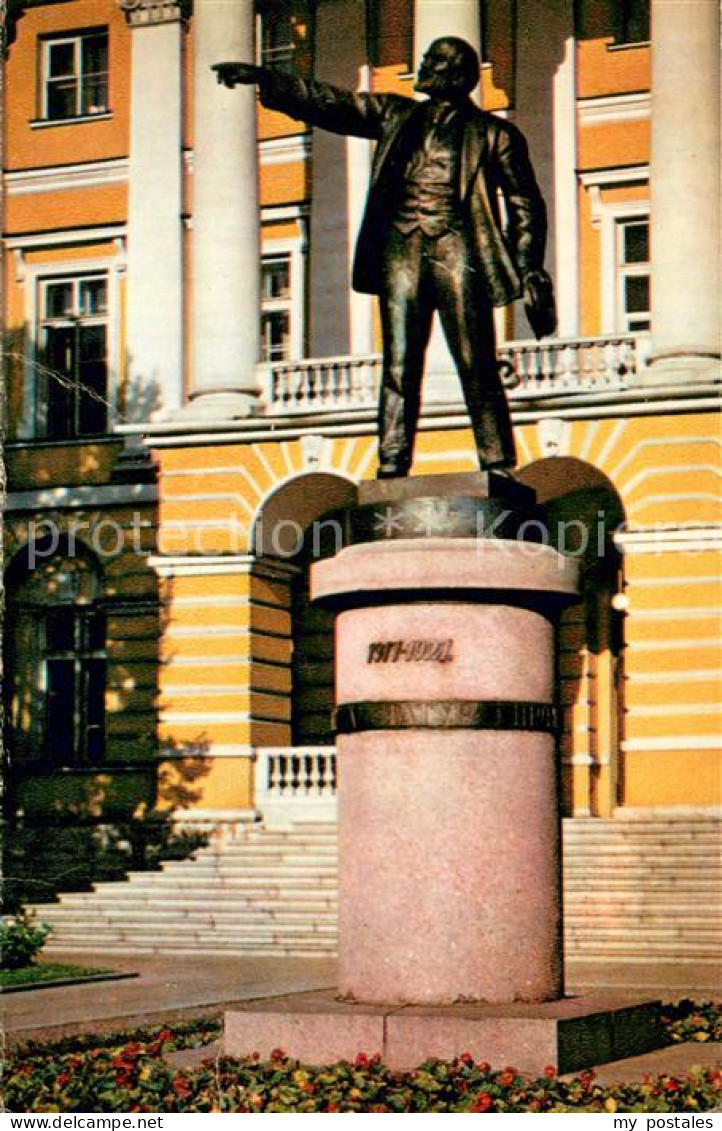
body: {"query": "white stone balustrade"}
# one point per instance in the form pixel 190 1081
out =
pixel 530 371
pixel 325 384
pixel 570 365
pixel 295 784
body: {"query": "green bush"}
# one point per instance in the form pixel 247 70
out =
pixel 20 940
pixel 40 862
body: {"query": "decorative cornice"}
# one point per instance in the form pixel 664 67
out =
pixel 615 108
pixel 52 178
pixel 141 13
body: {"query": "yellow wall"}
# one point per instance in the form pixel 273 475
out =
pixel 665 469
pixel 60 144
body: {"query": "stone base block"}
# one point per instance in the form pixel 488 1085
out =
pixel 570 1034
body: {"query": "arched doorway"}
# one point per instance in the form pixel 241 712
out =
pixel 584 510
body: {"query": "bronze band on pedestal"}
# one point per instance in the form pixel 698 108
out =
pixel 455 516
pixel 448 714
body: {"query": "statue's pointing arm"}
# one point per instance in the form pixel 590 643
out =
pixel 317 103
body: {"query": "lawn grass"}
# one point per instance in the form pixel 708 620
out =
pixel 37 973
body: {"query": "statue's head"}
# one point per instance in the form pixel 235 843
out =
pixel 449 69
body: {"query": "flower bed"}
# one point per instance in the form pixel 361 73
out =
pixel 128 1073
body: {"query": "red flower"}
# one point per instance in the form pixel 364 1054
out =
pixel 507 1077
pixel 672 1086
pixel 466 1058
pixel 165 1035
pixel 362 1061
pixel 550 1071
pixel 331 1106
pixel 483 1102
pixel 181 1086
pixel 277 1054
pixel 484 1066
pixel 63 1079
pixel 375 1059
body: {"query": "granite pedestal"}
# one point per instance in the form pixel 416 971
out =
pixel 450 933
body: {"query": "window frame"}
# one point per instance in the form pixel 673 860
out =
pixel 630 270
pixel 625 17
pixel 78 640
pixel 81 656
pixel 292 251
pixel 45 80
pixel 605 216
pixel 30 424
pixel 282 58
pixel 75 322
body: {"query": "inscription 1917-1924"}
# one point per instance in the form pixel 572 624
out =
pixel 410 651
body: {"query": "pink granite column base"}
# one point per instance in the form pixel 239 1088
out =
pixel 449 873
pixel 570 1034
pixel 448 856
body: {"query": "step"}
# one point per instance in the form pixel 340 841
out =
pixel 158 883
pixel 201 900
pixel 297 854
pixel 208 950
pixel 233 941
pixel 212 951
pixel 203 869
pixel 97 917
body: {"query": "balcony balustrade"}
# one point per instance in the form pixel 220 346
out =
pixel 530 371
pixel 295 784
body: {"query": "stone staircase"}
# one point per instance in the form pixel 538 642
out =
pixel 645 889
pixel 260 892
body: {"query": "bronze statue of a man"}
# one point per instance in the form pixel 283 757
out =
pixel 432 237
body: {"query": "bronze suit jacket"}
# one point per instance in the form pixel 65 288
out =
pixel 494 161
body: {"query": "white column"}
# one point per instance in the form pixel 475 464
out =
pixel 685 191
pixel 340 183
pixel 434 19
pixel 154 333
pixel 226 244
pixel 358 164
pixel 565 252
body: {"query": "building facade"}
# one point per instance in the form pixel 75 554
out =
pixel 191 385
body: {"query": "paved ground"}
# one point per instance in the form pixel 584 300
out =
pixel 174 987
pixel 165 988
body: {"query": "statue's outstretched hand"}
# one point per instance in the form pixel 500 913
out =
pixel 232 74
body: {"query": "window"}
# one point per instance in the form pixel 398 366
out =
pixel 633 291
pixel 74 75
pixel 73 335
pixel 277 39
pixel 57 662
pixel 284 35
pixel 626 22
pixel 632 21
pixel 276 308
